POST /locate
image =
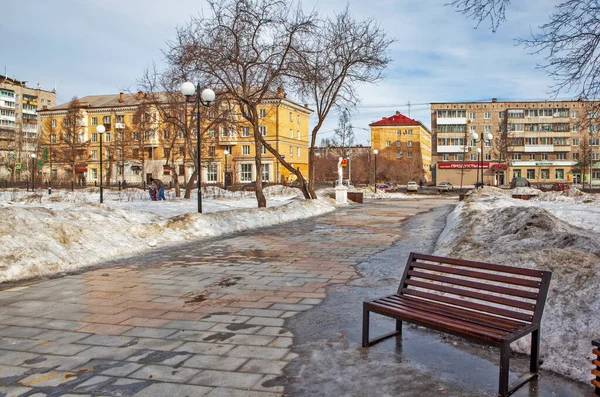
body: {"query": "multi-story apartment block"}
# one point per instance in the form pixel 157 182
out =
pixel 138 143
pixel 19 126
pixel 545 142
pixel 403 138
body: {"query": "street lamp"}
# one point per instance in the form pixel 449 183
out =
pixel 193 95
pixel 100 130
pixel 225 153
pixel 33 172
pixel 487 138
pixel 375 178
pixel 478 154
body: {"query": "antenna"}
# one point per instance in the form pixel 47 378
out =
pixel 54 90
pixel 408 104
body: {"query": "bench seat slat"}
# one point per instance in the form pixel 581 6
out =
pixel 463 327
pixel 472 294
pixel 481 265
pixel 474 284
pixel 483 318
pixel 478 275
pixel 470 305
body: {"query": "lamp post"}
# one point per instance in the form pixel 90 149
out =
pixel 225 153
pixel 487 138
pixel 591 159
pixel 192 94
pixel 33 172
pixel 100 130
pixel 478 154
pixel 375 177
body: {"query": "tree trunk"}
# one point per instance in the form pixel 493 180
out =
pixel 260 196
pixel 190 184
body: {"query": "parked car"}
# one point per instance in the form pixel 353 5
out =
pixel 384 187
pixel 519 182
pixel 559 187
pixel 445 187
pixel 412 187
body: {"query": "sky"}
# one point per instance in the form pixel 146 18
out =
pixel 98 47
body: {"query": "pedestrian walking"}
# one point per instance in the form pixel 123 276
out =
pixel 160 186
pixel 421 184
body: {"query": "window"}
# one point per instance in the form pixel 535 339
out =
pixel 245 132
pixel 94 155
pixel 211 173
pixel 135 171
pixel 531 174
pixel 575 114
pixel 560 173
pixel 181 135
pixel 446 157
pixel 262 113
pixel 516 156
pixel 409 155
pixel 487 115
pixel 298 119
pixel 298 152
pixel 596 175
pixel 211 133
pixel 53 123
pixel 388 144
pixel 224 132
pixel 473 157
pixel 151 153
pixel 291 117
pixel 106 120
pixel 181 169
pixel 94 120
pixel 107 137
pixel 166 134
pixel 473 129
pixel 575 156
pixel 181 152
pixel 94 173
pixel 544 156
pixel 593 128
pixel 263 149
pixel 398 144
pixel 451 113
pixel 298 136
pixel 545 173
pixel 53 138
pixel 408 132
pixel 291 151
pixel 135 153
pixel 398 155
pixel 516 173
pixel 246 150
pixel 263 130
pixel 501 115
pixel 472 115
pixel 94 137
pixel 398 132
pixel 488 156
pixel 594 141
pixel 409 143
pixel 291 133
pixel 119 118
pixel 516 114
pixel 211 151
pixel 457 157
pixel 575 128
pixel 487 129
pixel 265 171
pixel 532 156
pixel 246 173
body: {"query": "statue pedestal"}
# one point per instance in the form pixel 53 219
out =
pixel 341 194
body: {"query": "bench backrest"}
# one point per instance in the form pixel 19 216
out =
pixel 504 291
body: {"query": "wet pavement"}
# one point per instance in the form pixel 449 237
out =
pixel 263 313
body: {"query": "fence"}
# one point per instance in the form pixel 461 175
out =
pixel 596 362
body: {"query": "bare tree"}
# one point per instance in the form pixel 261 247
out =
pixel 344 134
pixel 342 53
pixel 482 10
pixel 243 49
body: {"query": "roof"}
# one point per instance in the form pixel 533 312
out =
pixel 112 100
pixel 396 120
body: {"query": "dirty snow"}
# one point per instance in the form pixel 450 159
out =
pixel 44 234
pixel 557 231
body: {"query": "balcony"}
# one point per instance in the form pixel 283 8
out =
pixel 538 148
pixel 32 128
pixel 120 126
pixel 452 149
pixel 8 105
pixel 451 120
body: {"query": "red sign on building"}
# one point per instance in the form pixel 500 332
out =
pixel 467 165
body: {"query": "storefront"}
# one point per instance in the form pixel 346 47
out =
pixel 469 172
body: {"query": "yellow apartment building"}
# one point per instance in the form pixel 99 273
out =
pixel 137 146
pixel 402 138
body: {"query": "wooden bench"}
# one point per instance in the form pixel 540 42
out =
pixel 596 362
pixel 491 304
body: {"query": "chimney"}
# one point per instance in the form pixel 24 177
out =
pixel 121 97
pixel 280 92
pixel 397 113
pixel 140 95
pixel 306 105
pixel 494 100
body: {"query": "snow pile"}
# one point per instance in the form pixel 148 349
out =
pixel 526 190
pixel 499 229
pixel 370 194
pixel 43 239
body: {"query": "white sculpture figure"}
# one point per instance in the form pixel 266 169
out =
pixel 340 171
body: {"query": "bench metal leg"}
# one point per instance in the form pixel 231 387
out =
pixel 534 365
pixel 365 335
pixel 504 369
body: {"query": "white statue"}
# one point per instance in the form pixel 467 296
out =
pixel 340 171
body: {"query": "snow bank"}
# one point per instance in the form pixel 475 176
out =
pixel 369 193
pixel 493 227
pixel 43 239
